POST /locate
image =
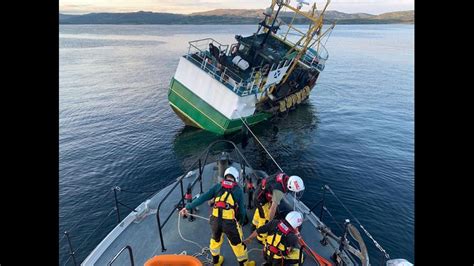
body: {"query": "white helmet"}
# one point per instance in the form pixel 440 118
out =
pixel 233 172
pixel 295 183
pixel 399 262
pixel 294 218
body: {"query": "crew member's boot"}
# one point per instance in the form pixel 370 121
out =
pixel 218 260
pixel 248 263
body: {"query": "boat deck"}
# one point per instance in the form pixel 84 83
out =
pixel 140 231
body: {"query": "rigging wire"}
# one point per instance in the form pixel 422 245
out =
pixel 105 195
pixel 360 225
pixel 329 35
pixel 84 241
pixel 273 159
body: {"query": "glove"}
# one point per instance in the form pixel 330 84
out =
pixel 183 212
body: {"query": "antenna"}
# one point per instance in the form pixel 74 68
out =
pixel 301 3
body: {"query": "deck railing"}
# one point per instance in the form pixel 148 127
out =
pixel 226 76
pixel 316 58
pixel 130 253
pixel 203 44
pixel 198 54
pixel 200 163
pixel 66 235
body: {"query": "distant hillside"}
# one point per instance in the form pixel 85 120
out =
pixel 245 13
pixel 405 16
pixel 64 16
pixel 333 15
pixel 229 16
pixel 122 18
pixel 254 13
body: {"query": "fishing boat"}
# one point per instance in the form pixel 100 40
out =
pixel 218 86
pixel 154 234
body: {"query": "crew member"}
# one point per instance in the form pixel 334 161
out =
pixel 228 213
pixel 269 194
pixel 281 247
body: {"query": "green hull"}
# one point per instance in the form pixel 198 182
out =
pixel 197 113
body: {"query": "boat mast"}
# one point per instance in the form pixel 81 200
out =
pixel 267 20
pixel 269 30
pixel 315 27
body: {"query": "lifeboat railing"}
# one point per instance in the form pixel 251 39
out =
pixel 345 243
pixel 72 252
pixel 200 163
pixel 130 254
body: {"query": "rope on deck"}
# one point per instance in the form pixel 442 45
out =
pixel 204 250
pixel 195 215
pixel 181 235
pixel 255 249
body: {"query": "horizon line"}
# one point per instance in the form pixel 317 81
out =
pixel 144 11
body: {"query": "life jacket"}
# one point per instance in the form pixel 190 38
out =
pixel 275 246
pixel 225 206
pixel 265 190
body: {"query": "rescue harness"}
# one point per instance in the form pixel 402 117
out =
pixel 275 242
pixel 224 202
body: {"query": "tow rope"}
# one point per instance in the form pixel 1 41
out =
pixel 322 261
pixel 204 250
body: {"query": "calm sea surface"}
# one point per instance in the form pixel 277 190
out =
pixel 356 133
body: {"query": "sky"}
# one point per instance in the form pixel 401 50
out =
pixel 189 6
